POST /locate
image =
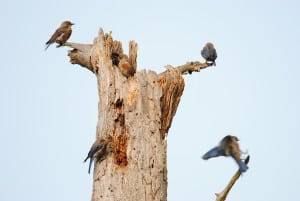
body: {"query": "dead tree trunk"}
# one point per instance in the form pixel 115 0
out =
pixel 137 112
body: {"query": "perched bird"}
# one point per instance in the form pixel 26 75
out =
pixel 125 67
pixel 228 146
pixel 209 53
pixel 61 35
pixel 99 150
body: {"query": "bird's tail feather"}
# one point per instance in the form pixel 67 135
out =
pixel 242 166
pixel 90 165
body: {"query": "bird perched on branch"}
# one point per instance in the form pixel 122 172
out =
pixel 228 146
pixel 209 53
pixel 99 150
pixel 61 35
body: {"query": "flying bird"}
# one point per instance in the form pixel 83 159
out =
pixel 61 35
pixel 209 53
pixel 99 150
pixel 228 146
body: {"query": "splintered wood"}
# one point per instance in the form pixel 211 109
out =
pixel 172 85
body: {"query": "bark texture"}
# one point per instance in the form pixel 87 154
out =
pixel 136 109
pixel 130 111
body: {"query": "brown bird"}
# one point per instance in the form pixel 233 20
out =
pixel 228 147
pixel 125 67
pixel 61 35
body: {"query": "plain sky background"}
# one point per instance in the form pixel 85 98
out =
pixel 49 107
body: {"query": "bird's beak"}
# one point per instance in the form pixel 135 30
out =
pixel 72 23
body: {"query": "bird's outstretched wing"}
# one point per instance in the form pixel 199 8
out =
pixel 214 152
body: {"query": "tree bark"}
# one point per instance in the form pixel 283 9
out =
pixel 136 110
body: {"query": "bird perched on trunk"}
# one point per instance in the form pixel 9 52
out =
pixel 125 67
pixel 61 35
pixel 228 146
pixel 209 53
pixel 99 150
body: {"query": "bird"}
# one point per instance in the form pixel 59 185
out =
pixel 209 53
pixel 61 35
pixel 99 150
pixel 125 67
pixel 228 146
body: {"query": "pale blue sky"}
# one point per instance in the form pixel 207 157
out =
pixel 49 107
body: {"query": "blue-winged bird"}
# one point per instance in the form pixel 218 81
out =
pixel 228 146
pixel 99 151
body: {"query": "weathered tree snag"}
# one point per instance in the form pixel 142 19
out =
pixel 222 196
pixel 136 109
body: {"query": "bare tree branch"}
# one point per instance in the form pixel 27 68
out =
pixel 193 66
pixel 81 54
pixel 222 196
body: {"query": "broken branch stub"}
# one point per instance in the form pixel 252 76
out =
pixel 80 54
